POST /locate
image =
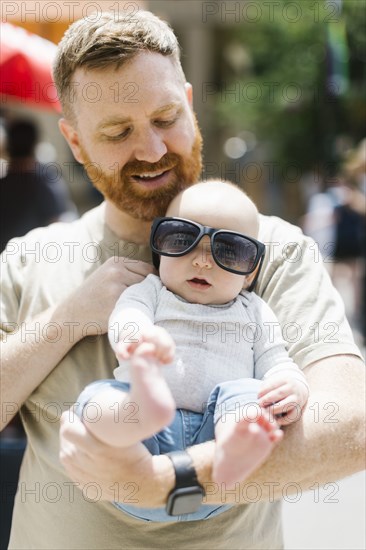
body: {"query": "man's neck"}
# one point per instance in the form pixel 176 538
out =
pixel 125 227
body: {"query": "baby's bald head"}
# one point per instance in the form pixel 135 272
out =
pixel 218 204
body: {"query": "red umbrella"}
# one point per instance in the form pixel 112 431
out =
pixel 26 68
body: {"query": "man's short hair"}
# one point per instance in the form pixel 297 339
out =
pixel 110 41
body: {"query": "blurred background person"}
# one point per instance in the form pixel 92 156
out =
pixel 350 236
pixel 32 194
pixel 336 219
pixel 319 219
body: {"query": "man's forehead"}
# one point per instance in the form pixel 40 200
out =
pixel 159 92
pixel 145 68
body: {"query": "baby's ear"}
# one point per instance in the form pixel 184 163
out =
pixel 247 281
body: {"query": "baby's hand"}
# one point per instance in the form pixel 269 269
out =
pixel 154 341
pixel 285 395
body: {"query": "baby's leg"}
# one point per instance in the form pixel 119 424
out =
pixel 127 418
pixel 245 436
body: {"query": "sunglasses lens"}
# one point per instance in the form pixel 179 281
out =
pixel 235 252
pixel 174 236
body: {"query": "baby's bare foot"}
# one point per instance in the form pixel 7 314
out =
pixel 242 446
pixel 155 406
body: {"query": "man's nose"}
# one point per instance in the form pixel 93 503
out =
pixel 150 146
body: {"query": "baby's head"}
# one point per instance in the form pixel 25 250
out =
pixel 195 275
pixel 219 204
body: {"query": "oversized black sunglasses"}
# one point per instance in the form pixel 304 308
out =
pixel 231 251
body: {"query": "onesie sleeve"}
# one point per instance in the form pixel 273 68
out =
pixel 269 348
pixel 141 296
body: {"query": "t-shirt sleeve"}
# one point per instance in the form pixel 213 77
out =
pixel 297 287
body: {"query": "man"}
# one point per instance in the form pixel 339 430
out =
pixel 140 145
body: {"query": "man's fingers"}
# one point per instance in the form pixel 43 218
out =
pixel 71 425
pixel 73 433
pixel 134 266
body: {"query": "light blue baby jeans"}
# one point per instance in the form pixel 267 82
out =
pixel 188 428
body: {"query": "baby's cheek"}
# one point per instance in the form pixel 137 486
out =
pixel 170 271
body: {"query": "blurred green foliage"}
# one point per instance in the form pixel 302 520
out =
pixel 273 79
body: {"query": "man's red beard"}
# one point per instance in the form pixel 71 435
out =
pixel 134 199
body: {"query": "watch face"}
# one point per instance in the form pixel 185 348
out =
pixel 184 501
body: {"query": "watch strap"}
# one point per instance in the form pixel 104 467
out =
pixel 185 472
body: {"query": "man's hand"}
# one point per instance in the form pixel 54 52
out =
pixel 129 475
pixel 93 302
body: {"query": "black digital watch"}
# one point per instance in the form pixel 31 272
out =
pixel 186 497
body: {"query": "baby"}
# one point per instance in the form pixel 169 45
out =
pixel 199 353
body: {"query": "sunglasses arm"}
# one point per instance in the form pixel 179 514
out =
pixel 156 260
pixel 255 275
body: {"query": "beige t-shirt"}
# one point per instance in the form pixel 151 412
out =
pixel 41 270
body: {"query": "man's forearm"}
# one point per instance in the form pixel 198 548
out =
pixel 30 354
pixel 325 444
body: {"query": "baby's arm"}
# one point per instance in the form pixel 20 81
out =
pixel 285 391
pixel 135 330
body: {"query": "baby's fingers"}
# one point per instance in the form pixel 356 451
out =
pixel 272 396
pixel 271 384
pixel 165 354
pixel 124 350
pixel 286 411
pixel 164 344
pixel 145 348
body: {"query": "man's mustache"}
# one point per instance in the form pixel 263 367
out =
pixel 139 167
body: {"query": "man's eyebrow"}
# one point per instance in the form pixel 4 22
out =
pixel 113 121
pixel 119 121
pixel 174 105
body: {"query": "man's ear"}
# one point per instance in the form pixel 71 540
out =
pixel 189 93
pixel 72 138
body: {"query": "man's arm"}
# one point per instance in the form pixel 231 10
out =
pixel 27 357
pixel 326 444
